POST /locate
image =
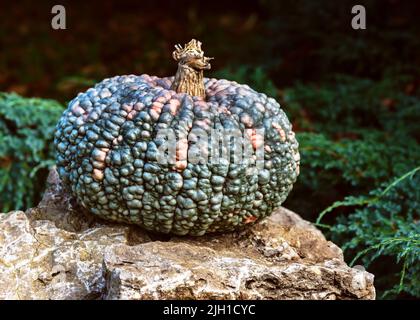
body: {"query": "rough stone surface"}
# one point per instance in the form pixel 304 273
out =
pixel 56 251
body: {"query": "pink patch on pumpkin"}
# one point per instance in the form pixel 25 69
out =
pixel 138 106
pixel 161 99
pixel 98 174
pixel 131 115
pixel 174 106
pixel 77 110
pixel 180 165
pixel 154 114
pixel 223 109
pixel 167 95
pixel 127 107
pixel 280 131
pixel 157 105
pixel 98 164
pixel 101 155
pixel 257 140
pixel 202 104
pixel 250 219
pixel 182 149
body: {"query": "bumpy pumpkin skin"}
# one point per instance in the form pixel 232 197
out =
pixel 106 154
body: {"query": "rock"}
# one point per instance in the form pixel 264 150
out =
pixel 57 251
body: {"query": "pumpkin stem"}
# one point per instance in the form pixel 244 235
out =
pixel 191 63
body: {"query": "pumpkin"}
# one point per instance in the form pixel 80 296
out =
pixel 109 153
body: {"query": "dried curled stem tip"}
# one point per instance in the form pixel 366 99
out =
pixel 191 63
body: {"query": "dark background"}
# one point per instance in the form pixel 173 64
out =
pixel 291 40
pixel 353 97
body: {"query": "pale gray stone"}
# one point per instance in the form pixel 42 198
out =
pixel 56 251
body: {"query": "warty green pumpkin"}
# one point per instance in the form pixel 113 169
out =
pixel 108 142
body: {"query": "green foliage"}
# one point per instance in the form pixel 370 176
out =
pixel 386 224
pixel 364 162
pixel 346 105
pixel 256 78
pixel 313 49
pixel 26 133
pixel 358 136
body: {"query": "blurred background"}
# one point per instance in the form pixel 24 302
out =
pixel 353 97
